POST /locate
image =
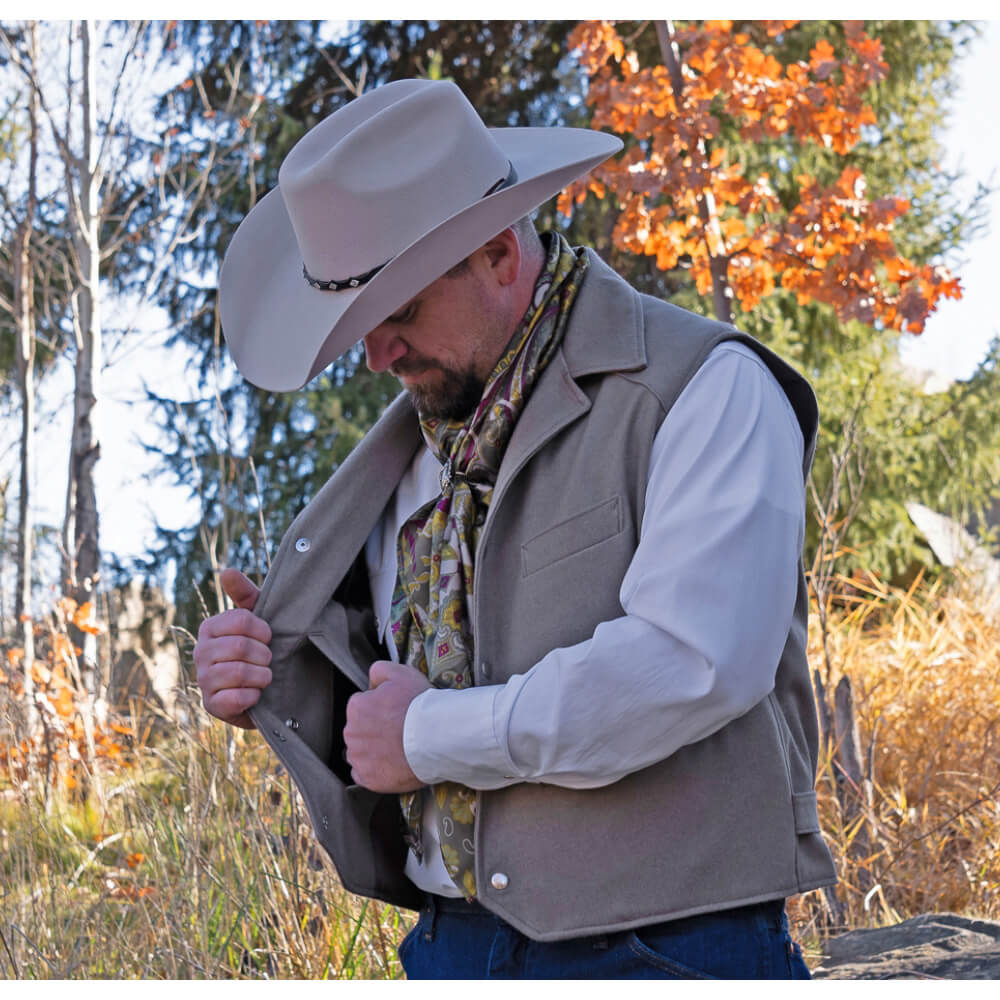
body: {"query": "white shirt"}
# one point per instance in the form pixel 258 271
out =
pixel 707 600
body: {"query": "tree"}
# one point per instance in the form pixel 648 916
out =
pixel 754 165
pixel 21 309
pixel 32 304
pixel 791 173
pixel 129 196
pixel 686 196
pixel 300 78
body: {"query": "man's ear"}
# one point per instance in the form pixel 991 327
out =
pixel 501 256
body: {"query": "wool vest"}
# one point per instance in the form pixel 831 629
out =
pixel 726 821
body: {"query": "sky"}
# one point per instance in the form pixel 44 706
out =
pixel 953 343
pixel 958 334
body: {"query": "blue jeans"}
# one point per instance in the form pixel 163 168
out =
pixel 458 940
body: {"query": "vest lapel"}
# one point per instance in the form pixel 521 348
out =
pixel 320 547
pixel 605 333
pixel 555 403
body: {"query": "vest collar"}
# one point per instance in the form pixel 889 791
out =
pixel 605 333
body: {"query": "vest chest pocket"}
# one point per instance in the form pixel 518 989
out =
pixel 574 535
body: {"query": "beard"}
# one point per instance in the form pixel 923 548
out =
pixel 446 393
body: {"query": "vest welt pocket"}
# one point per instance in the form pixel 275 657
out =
pixel 575 534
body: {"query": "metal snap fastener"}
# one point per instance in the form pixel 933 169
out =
pixel 303 545
pixel 499 881
pixel 292 723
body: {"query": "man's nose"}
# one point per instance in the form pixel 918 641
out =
pixel 382 348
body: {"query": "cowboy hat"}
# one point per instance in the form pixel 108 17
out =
pixel 373 204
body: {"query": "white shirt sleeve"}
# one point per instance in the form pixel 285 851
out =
pixel 708 600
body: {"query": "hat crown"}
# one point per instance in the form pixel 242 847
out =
pixel 391 190
pixel 385 169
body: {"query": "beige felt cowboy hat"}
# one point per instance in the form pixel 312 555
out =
pixel 372 205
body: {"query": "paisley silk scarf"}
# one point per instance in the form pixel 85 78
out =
pixel 432 607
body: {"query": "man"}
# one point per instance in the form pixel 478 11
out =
pixel 535 654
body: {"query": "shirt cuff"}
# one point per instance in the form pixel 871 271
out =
pixel 451 735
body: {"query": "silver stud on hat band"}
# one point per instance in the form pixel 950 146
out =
pixel 333 285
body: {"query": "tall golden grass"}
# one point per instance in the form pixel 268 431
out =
pixel 924 665
pixel 197 860
pixel 199 863
pixel 187 857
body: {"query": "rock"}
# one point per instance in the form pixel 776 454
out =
pixel 931 946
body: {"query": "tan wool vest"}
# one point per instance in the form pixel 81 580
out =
pixel 723 822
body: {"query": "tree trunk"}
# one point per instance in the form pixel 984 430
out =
pixel 24 313
pixel 80 528
pixel 722 294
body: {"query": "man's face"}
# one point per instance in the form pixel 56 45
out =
pixel 443 344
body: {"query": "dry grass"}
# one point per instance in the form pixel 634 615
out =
pixel 925 670
pixel 200 864
pixel 198 861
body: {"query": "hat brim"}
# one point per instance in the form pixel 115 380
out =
pixel 282 332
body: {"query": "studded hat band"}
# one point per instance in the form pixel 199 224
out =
pixel 338 286
pixel 333 285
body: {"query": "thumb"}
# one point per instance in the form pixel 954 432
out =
pixel 379 672
pixel 242 591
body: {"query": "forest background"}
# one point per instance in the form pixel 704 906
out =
pixel 787 175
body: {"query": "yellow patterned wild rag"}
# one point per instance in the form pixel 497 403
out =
pixel 432 604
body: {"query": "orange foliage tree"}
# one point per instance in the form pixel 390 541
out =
pixel 689 197
pixel 67 741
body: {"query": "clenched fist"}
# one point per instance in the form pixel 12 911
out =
pixel 232 656
pixel 374 731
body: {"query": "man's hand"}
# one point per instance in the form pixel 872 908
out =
pixel 374 730
pixel 232 656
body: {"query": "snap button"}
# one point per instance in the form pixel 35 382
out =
pixel 499 881
pixel 292 723
pixel 303 545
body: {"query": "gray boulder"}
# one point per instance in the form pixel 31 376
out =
pixel 931 946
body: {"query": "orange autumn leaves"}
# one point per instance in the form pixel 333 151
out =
pixel 61 745
pixel 687 199
pixel 122 885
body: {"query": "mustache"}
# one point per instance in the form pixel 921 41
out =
pixel 410 365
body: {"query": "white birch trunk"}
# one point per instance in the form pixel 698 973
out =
pixel 80 530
